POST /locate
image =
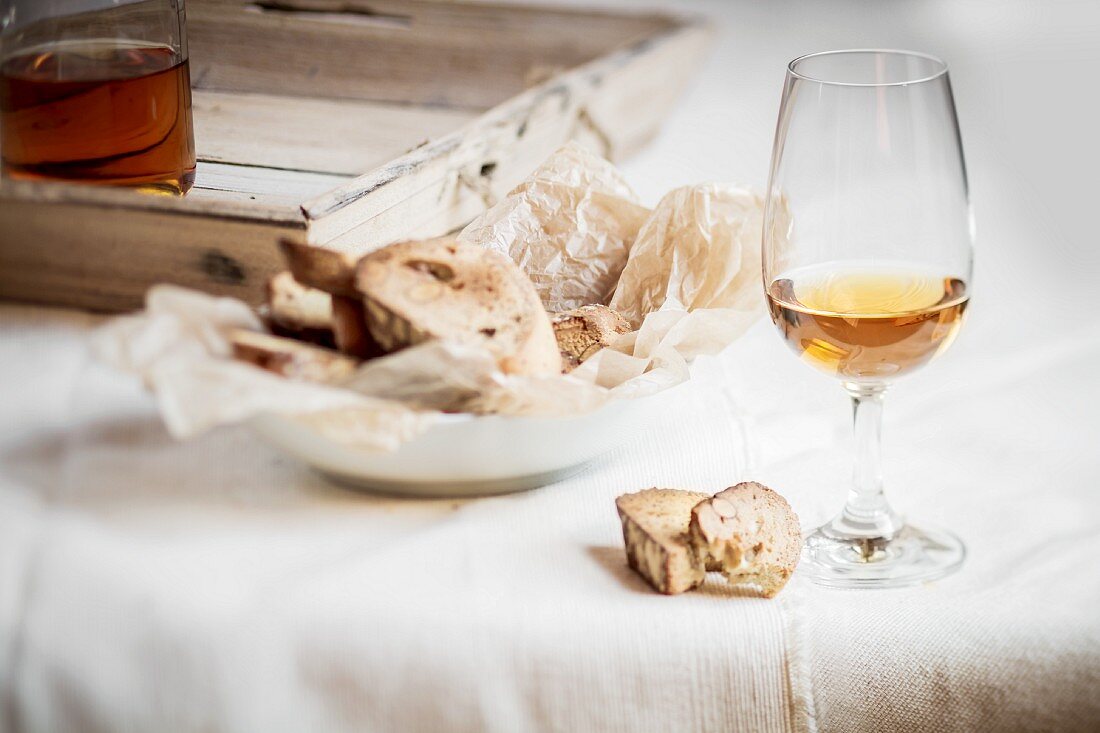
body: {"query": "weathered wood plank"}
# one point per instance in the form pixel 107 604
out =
pixel 259 185
pixel 332 136
pixel 90 256
pixel 435 54
pixel 641 93
pixel 119 202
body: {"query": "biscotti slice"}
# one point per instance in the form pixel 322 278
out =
pixel 349 326
pixel 298 311
pixel 583 331
pixel 655 525
pixel 750 533
pixel 330 270
pixel 439 288
pixel 289 358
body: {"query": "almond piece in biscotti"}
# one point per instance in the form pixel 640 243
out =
pixel 439 288
pixel 750 533
pixel 583 331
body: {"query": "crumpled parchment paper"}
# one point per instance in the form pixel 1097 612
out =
pixel 569 226
pixel 687 275
pixel 700 248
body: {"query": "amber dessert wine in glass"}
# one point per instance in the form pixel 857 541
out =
pixel 867 258
pixel 97 96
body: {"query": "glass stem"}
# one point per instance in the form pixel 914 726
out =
pixel 867 515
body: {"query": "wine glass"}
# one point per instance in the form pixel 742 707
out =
pixel 867 261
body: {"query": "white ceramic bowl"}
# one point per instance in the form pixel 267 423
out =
pixel 466 455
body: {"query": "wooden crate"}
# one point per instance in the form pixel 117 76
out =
pixel 348 123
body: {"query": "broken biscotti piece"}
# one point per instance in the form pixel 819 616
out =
pixel 332 273
pixel 440 288
pixel 290 358
pixel 747 532
pixel 655 525
pixel 583 331
pixel 349 326
pixel 298 311
pixel 329 270
pixel 751 533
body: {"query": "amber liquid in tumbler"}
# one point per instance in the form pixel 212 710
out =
pixel 866 323
pixel 99 112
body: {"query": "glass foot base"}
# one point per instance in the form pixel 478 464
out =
pixel 913 555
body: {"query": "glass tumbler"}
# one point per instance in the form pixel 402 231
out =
pixel 96 91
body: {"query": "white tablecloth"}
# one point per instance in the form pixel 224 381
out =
pixel 218 586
